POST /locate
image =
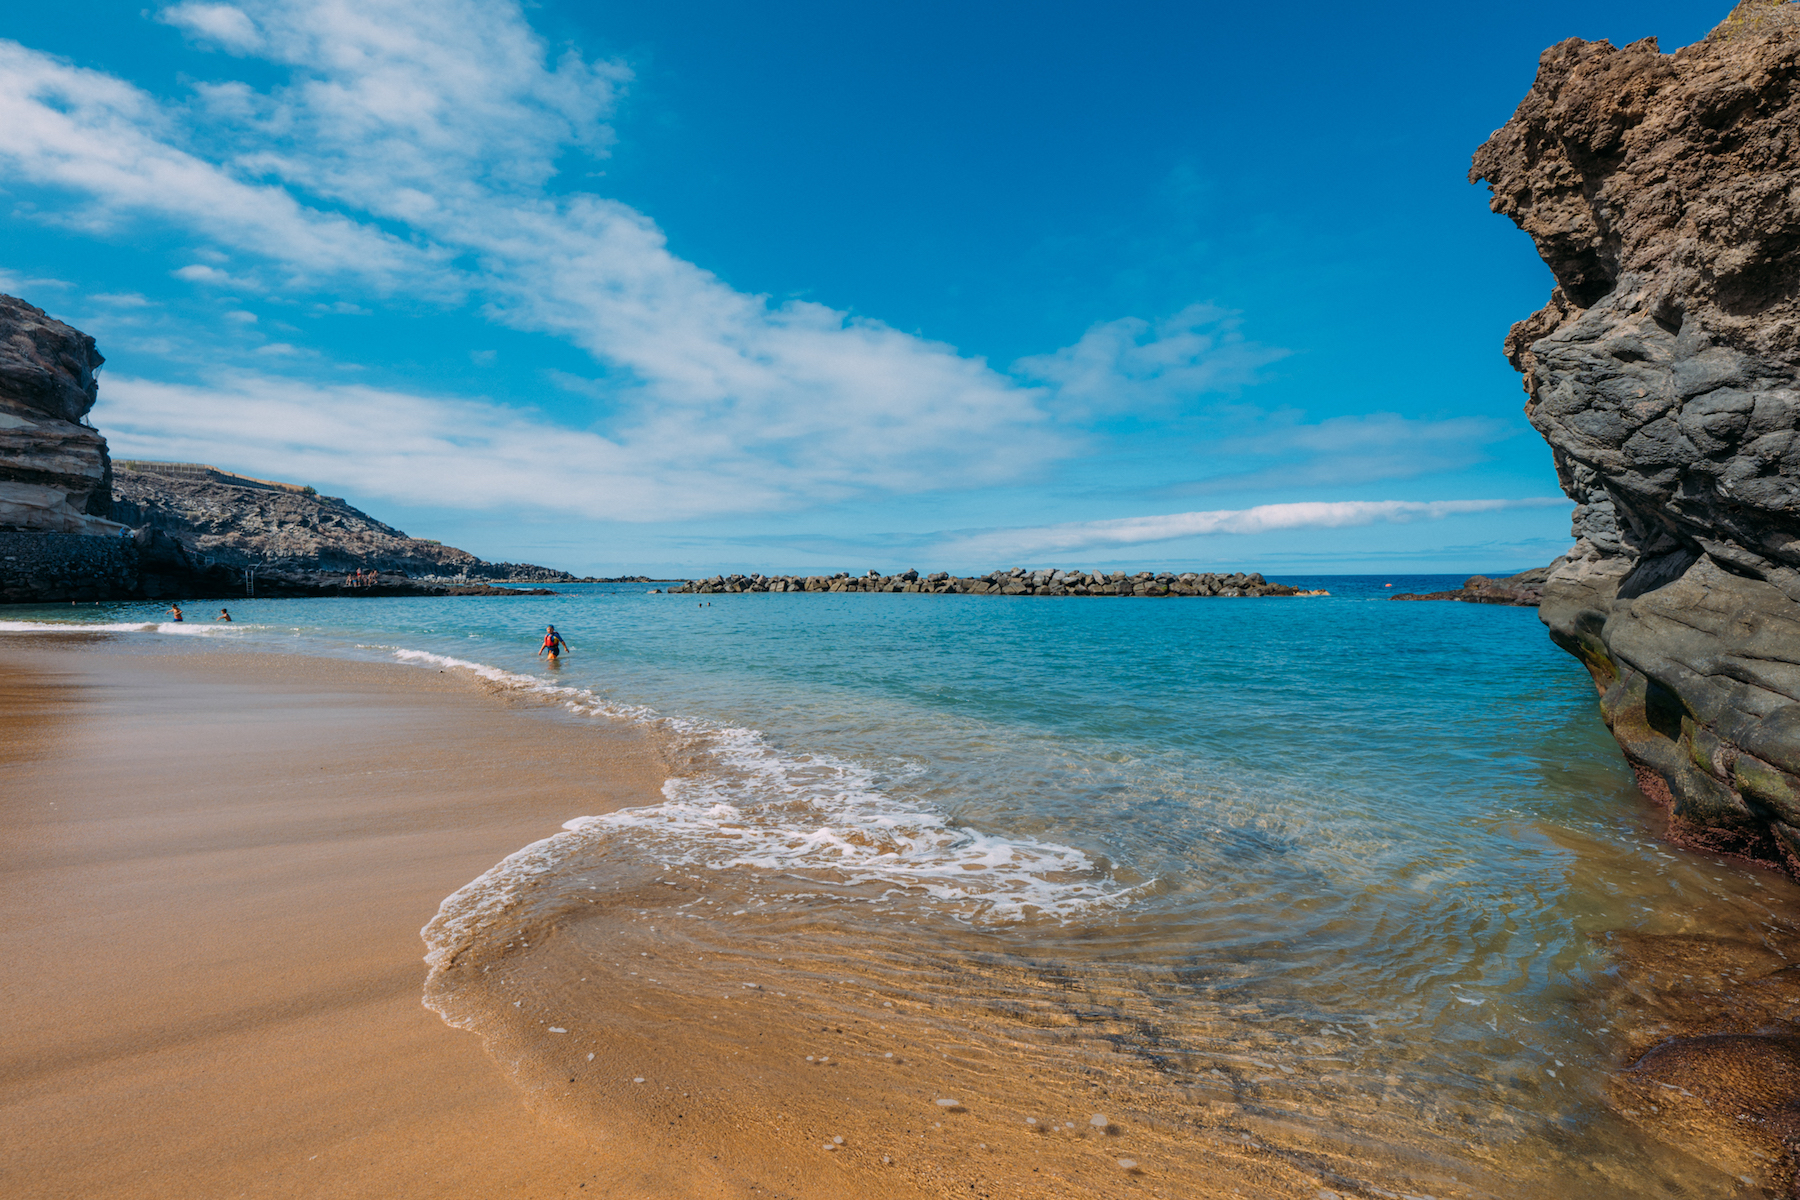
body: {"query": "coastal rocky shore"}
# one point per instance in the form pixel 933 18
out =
pixel 1014 582
pixel 1663 192
pixel 72 527
pixel 1524 590
pixel 241 521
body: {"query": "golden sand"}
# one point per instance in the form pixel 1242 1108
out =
pixel 214 869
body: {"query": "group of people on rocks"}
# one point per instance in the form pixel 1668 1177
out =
pixel 361 578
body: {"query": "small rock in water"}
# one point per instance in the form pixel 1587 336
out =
pixel 639 1079
pixel 1099 1121
pixel 1031 1120
pixel 809 1058
pixel 590 1056
pixel 949 1104
pixel 889 1054
pixel 557 1029
pixel 838 1140
pixel 1129 1165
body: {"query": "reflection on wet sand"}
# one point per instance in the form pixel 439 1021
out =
pixel 713 1017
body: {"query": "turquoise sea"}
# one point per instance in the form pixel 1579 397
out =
pixel 1332 875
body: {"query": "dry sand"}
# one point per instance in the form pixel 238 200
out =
pixel 214 866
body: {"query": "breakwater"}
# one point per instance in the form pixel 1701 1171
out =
pixel 1016 581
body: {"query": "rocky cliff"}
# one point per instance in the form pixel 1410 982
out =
pixel 223 518
pixel 54 474
pixel 195 530
pixel 1663 192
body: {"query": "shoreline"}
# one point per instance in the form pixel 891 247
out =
pixel 215 990
pixel 219 990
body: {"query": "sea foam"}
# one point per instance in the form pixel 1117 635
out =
pixel 759 811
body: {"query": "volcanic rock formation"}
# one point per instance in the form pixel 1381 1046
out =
pixel 239 521
pixel 1663 191
pixel 54 474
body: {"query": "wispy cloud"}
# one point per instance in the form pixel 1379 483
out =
pixel 1283 451
pixel 1133 365
pixel 415 150
pixel 473 454
pixel 18 285
pixel 995 545
pixel 220 23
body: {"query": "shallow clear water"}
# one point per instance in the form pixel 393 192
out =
pixel 1325 870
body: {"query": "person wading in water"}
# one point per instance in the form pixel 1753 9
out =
pixel 553 644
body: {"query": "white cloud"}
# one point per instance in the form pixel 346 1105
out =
pixel 201 273
pixel 415 149
pixel 447 121
pixel 222 23
pixel 121 299
pixel 1359 448
pixel 18 285
pixel 471 454
pixel 241 317
pixel 1027 542
pixel 101 139
pixel 1134 365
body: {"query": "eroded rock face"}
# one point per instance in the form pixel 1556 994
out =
pixel 1663 191
pixel 245 523
pixel 54 472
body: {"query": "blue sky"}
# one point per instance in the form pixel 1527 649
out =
pixel 687 286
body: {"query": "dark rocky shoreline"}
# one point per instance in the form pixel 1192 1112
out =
pixel 1524 590
pixel 1014 582
pixel 1663 192
pixel 47 568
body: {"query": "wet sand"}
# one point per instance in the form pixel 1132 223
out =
pixel 214 867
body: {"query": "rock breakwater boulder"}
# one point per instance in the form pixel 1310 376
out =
pixel 1663 191
pixel 1016 581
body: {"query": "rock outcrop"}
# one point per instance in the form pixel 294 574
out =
pixel 1014 582
pixel 1663 191
pixel 54 473
pixel 223 518
pixel 187 530
pixel 1524 590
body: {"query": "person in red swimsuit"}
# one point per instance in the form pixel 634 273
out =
pixel 553 644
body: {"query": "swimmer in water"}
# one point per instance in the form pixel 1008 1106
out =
pixel 553 644
pixel 224 614
pixel 175 612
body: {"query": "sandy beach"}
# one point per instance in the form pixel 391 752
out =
pixel 217 864
pixel 215 869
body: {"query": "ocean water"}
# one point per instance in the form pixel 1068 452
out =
pixel 1316 894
